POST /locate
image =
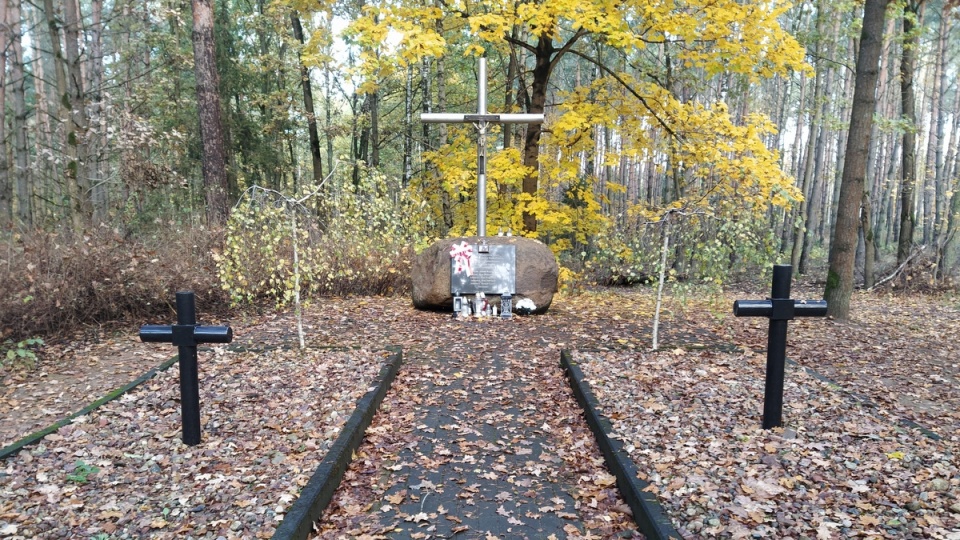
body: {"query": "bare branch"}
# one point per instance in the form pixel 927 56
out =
pixel 917 251
pixel 630 89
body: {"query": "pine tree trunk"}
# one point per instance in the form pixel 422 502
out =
pixel 908 64
pixel 894 205
pixel 355 138
pixel 935 140
pixel 869 245
pixel 795 158
pixel 831 195
pixel 843 247
pixel 308 104
pixel 871 186
pixel 99 192
pixel 445 197
pixel 428 143
pixel 508 92
pixel 800 228
pixel 269 168
pixel 47 174
pixel 375 129
pixel 408 128
pixel 426 105
pixel 814 218
pixel 214 157
pixel 6 188
pixel 849 88
pixel 327 106
pixel 362 138
pixel 79 123
pixel 951 171
pixel 876 191
pixel 22 172
pixel 74 193
pixel 531 145
pixel 891 193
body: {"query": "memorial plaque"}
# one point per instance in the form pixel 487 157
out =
pixel 494 272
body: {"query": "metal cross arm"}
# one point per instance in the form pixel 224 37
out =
pixel 185 335
pixel 481 119
pixel 780 309
pixel 453 118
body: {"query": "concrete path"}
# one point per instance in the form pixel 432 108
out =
pixel 479 438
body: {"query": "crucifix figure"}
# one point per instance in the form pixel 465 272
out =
pixel 482 121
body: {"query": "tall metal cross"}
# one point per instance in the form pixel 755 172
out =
pixel 482 121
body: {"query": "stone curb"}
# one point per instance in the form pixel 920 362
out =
pixel 317 494
pixel 647 512
pixel 35 437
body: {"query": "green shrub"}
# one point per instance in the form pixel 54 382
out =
pixel 702 250
pixel 358 239
pixel 22 351
pixel 81 472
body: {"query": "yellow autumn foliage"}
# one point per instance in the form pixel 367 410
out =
pixel 719 163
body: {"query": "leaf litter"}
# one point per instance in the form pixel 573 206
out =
pixel 849 461
pixel 267 421
pixel 845 467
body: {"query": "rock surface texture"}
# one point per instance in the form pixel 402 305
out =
pixel 537 272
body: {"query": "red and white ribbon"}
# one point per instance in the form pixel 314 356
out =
pixel 462 256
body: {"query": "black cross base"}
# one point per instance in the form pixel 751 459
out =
pixel 186 334
pixel 779 308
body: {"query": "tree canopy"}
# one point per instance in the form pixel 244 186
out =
pixel 626 82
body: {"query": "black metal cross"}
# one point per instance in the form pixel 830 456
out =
pixel 779 308
pixel 186 334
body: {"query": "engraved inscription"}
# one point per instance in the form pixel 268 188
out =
pixel 493 273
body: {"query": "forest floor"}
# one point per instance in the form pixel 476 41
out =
pixel 869 448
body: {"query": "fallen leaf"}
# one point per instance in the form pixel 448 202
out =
pixel 397 497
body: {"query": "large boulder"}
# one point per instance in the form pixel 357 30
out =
pixel 536 278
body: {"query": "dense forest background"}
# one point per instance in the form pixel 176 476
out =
pixel 249 149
